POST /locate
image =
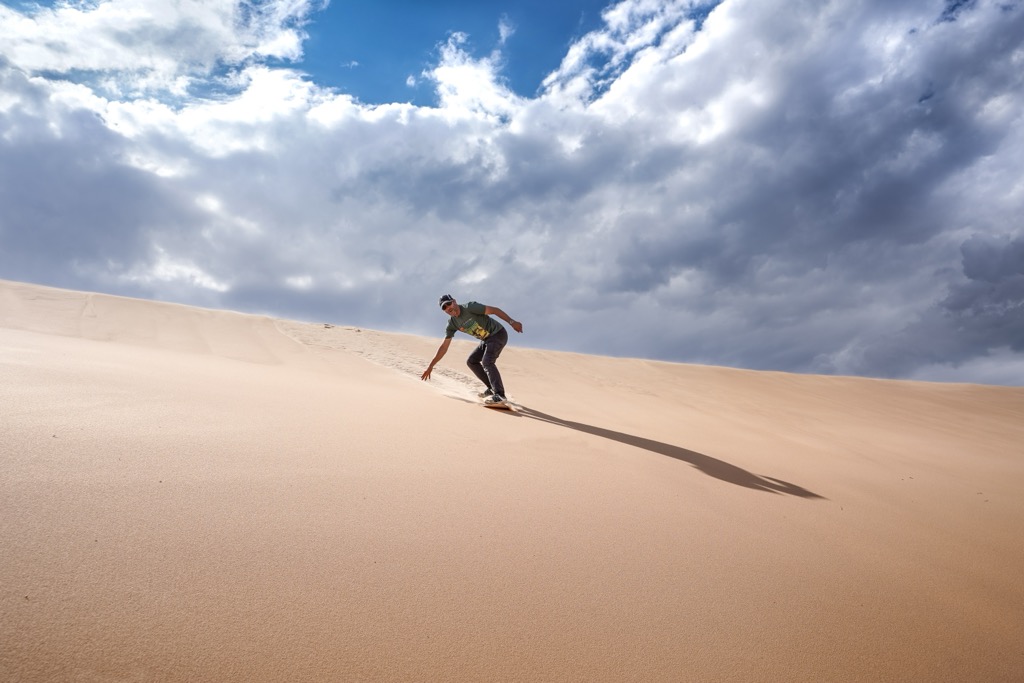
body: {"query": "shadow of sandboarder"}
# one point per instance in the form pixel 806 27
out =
pixel 705 463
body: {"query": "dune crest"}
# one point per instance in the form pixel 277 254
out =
pixel 170 327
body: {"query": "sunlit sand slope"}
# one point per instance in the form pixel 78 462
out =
pixel 189 494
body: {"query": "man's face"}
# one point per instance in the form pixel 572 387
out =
pixel 451 308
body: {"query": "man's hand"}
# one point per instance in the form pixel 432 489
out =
pixel 441 350
pixel 517 326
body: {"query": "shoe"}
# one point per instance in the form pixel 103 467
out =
pixel 494 399
pixel 485 393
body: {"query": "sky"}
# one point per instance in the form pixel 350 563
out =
pixel 378 51
pixel 813 186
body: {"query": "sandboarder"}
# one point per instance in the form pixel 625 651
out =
pixel 475 320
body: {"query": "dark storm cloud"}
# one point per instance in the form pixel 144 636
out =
pixel 70 204
pixel 981 314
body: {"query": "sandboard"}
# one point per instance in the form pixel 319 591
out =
pixel 498 406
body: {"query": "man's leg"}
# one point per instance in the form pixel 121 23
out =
pixel 492 349
pixel 474 363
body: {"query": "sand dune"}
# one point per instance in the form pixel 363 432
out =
pixel 192 495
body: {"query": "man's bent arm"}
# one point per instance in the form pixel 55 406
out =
pixel 493 310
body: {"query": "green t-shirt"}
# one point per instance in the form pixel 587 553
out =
pixel 473 321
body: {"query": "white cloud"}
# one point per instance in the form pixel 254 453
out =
pixel 152 45
pixel 167 269
pixel 470 87
pixel 506 29
pixel 814 186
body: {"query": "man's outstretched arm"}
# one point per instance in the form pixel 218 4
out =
pixel 441 350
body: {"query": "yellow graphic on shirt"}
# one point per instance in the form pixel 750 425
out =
pixel 474 329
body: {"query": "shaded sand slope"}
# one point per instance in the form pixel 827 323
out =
pixel 200 495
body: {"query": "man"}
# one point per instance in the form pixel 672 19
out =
pixel 475 319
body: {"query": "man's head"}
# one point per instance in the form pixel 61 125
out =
pixel 448 304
